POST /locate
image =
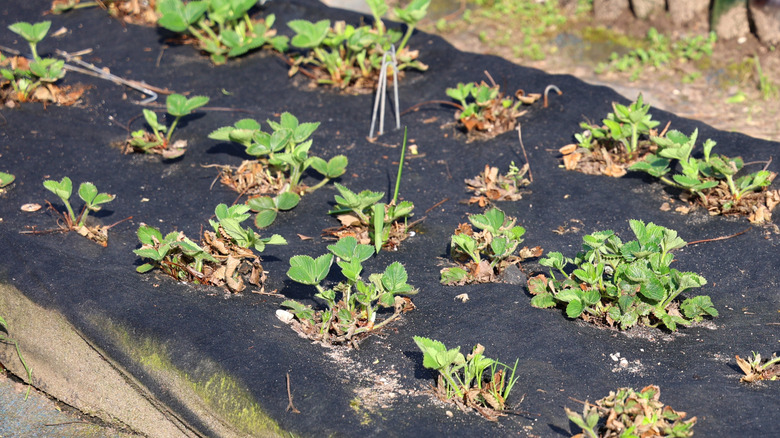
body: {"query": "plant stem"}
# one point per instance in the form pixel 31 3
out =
pixel 318 185
pixel 400 169
pixel 70 210
pixel 409 31
pixel 170 130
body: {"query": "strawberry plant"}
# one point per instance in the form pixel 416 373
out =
pixel 384 225
pixel 755 369
pixel 711 181
pixel 608 149
pixel 93 201
pixel 25 76
pixel 222 28
pixel 623 284
pixel 484 255
pixel 157 141
pixel 484 111
pixel 463 380
pixel 353 305
pixel 282 157
pixel 363 216
pixel 630 413
pixel 225 256
pixel 345 56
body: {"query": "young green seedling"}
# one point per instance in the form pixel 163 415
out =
pixel 623 284
pixel 159 140
pixel 485 254
pixel 87 192
pixel 33 33
pixel 463 380
pixel 354 315
pixel 631 413
pixel 343 55
pixel 222 27
pixel 39 70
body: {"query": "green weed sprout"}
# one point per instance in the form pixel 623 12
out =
pixel 223 27
pixel 700 176
pixel 87 192
pixel 27 369
pixel 40 70
pixel 344 55
pixel 486 252
pixel 463 380
pixel 631 413
pixel 352 305
pixel 623 284
pixel 159 140
pixel 658 51
pixel 220 260
pixel 6 179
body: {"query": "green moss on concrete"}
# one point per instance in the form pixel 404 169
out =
pixel 224 395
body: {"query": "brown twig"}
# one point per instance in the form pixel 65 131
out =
pixel 117 223
pixel 487 73
pixel 436 205
pixel 290 405
pixel 720 238
pixel 666 128
pixel 525 155
pixel 290 62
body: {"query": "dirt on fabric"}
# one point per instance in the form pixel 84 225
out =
pixel 728 73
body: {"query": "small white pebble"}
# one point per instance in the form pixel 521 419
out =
pixel 284 316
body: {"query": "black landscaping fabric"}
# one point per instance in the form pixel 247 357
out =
pixel 559 358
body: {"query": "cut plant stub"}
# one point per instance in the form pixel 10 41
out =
pixel 490 186
pixel 484 256
pixel 755 369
